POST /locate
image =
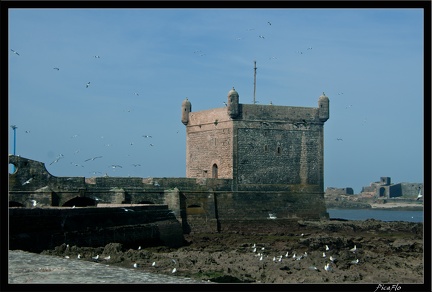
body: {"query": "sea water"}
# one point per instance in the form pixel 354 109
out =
pixel 383 215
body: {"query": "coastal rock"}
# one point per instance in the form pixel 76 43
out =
pixel 387 252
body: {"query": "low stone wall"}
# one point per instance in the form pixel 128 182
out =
pixel 37 229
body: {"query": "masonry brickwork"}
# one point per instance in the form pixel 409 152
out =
pixel 245 164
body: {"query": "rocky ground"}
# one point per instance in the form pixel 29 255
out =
pixel 387 252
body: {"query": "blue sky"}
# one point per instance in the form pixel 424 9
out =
pixel 369 62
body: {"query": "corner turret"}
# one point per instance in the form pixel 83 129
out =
pixel 186 109
pixel 233 103
pixel 323 108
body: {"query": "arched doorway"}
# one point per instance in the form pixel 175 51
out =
pixel 214 171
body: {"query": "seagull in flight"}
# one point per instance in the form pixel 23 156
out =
pixel 115 166
pixel 269 22
pixel 57 159
pixel 15 52
pixel 88 84
pixel 56 68
pixel 93 158
pixel 147 136
pixel 339 139
pixel 76 164
pixel 127 210
pixel 97 57
pixel 136 164
pixel 27 182
pixel 261 37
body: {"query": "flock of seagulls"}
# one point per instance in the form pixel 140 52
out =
pixel 261 255
pixel 154 265
pixel 112 166
pixel 297 257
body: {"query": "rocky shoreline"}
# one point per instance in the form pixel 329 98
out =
pixel 387 252
pixel 372 204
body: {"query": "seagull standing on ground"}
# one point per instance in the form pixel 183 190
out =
pixel 34 203
pixel 272 216
pixel 419 196
pixel 332 259
pixel 354 248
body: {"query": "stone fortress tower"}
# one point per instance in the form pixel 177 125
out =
pixel 259 147
pixel 245 164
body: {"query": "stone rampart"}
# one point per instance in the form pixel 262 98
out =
pixel 198 204
pixel 37 229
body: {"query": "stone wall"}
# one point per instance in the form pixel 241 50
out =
pixel 196 203
pixel 37 229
